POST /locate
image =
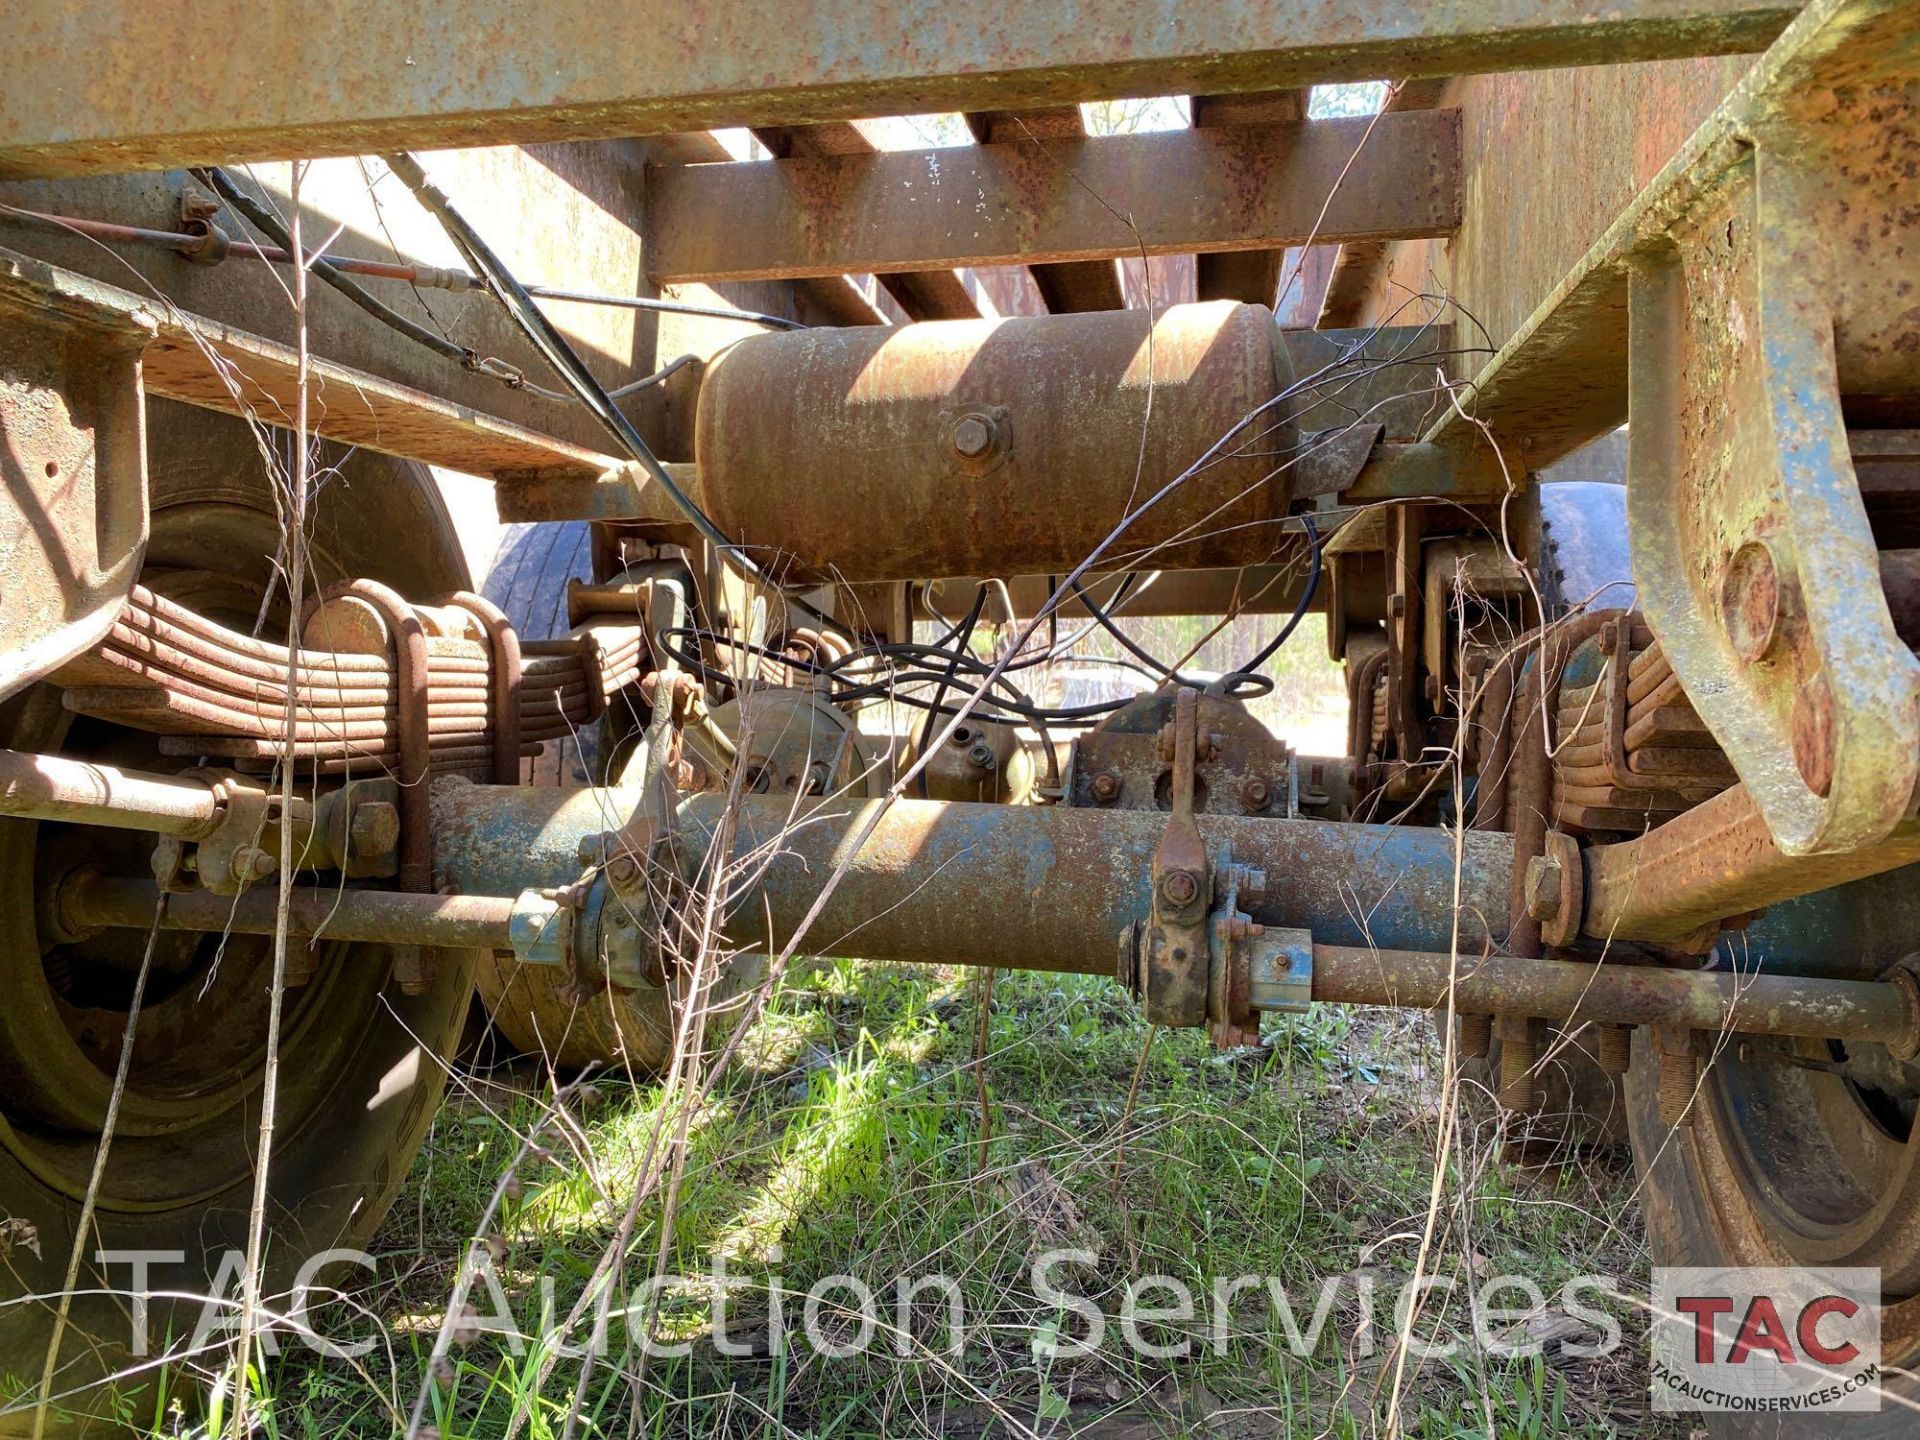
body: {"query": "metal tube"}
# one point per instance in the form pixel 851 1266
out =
pixel 1043 887
pixel 1559 990
pixel 88 900
pixel 1572 993
pixel 48 787
pixel 960 423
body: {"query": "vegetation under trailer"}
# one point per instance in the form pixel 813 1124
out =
pixel 1631 763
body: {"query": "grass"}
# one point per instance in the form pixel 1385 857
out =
pixel 845 1141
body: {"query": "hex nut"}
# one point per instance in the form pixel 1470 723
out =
pixel 250 862
pixel 972 436
pixel 1107 787
pixel 1179 887
pixel 1255 794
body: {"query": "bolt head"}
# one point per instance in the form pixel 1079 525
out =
pixel 374 830
pixel 972 436
pixel 1107 787
pixel 1255 794
pixel 1179 887
pixel 623 869
pixel 981 756
pixel 252 863
pixel 1543 887
pixel 1751 600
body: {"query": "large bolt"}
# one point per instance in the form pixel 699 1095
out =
pixel 1179 887
pixel 374 829
pixel 250 862
pixel 1254 794
pixel 623 869
pixel 413 968
pixel 1679 1078
pixel 1544 879
pixel 972 436
pixel 1517 1056
pixel 1476 1036
pixel 1107 787
pixel 1750 600
pixel 1615 1045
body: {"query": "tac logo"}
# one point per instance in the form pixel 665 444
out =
pixel 1765 1340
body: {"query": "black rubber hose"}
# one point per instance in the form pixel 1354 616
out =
pixel 268 224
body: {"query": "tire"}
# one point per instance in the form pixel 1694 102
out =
pixel 528 581
pixel 362 1063
pixel 535 1007
pixel 1789 1166
pixel 1781 1163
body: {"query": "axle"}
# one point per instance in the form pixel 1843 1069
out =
pixel 1566 992
pixel 1345 914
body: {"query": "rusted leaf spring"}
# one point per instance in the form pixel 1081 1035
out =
pixel 89 900
pixel 411 683
pixel 213 691
pixel 1631 749
pixel 1572 993
pixel 1717 860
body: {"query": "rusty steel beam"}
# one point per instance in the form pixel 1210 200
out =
pixel 1069 285
pixel 834 300
pixel 1358 266
pixel 81 92
pixel 1560 381
pixel 1250 275
pixel 923 294
pixel 220 367
pixel 828 300
pixel 1716 861
pixel 1241 188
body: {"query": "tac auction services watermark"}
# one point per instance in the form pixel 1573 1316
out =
pixel 1765 1341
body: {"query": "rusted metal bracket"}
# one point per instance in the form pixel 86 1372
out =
pixel 1404 525
pixel 1173 966
pixel 73 516
pixel 1231 933
pixel 1755 562
pixel 503 680
pixel 410 673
